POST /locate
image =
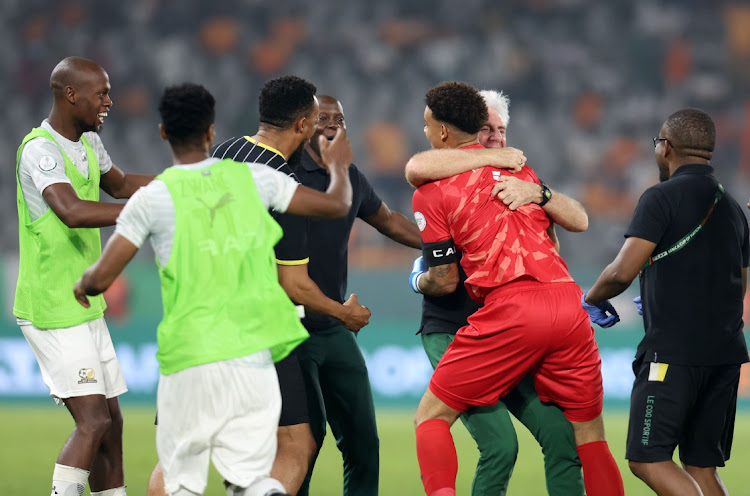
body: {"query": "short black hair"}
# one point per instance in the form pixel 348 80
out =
pixel 458 104
pixel 284 100
pixel 187 111
pixel 691 131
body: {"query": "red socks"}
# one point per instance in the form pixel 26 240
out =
pixel 438 462
pixel 600 473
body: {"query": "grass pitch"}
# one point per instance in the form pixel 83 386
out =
pixel 32 435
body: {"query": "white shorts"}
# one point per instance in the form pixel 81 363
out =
pixel 77 361
pixel 228 411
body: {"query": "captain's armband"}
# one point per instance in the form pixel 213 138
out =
pixel 440 253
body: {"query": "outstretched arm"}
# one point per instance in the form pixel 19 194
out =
pixel 76 213
pixel 117 184
pixel 396 226
pixel 432 165
pixel 618 275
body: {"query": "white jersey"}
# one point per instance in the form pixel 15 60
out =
pixel 42 165
pixel 150 211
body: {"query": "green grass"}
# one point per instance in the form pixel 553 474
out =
pixel 31 437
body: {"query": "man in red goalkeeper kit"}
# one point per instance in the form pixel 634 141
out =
pixel 532 322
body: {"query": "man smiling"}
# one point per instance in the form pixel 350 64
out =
pixel 60 167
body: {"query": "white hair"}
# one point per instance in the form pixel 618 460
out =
pixel 498 102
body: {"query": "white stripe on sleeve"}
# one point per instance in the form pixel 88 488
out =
pixel 276 189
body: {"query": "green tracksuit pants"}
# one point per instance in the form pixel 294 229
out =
pixel 495 436
pixel 338 391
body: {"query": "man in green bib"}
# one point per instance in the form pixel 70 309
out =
pixel 60 167
pixel 226 318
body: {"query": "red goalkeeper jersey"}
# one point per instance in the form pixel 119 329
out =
pixel 499 245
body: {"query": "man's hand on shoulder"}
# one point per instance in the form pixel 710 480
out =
pixel 507 158
pixel 516 192
pixel 357 315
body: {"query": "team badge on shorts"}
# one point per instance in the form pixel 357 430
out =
pixel 86 375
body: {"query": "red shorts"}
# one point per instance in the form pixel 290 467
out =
pixel 525 328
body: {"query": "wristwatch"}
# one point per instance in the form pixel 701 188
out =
pixel 546 194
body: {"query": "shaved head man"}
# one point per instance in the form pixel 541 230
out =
pixel 60 167
pixel 81 91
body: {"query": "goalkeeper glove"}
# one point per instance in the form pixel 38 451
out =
pixel 417 270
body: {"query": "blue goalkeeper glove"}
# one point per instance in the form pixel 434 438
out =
pixel 638 304
pixel 417 270
pixel 598 313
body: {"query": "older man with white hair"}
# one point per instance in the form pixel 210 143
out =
pixel 491 427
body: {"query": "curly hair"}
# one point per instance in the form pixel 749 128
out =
pixel 691 130
pixel 187 111
pixel 458 104
pixel 284 100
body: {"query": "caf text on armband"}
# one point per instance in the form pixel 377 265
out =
pixel 439 253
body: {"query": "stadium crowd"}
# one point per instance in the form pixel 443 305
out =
pixel 584 101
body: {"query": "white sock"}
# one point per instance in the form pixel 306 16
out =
pixel 117 491
pixel 263 487
pixel 68 481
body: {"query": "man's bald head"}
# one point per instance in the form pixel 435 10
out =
pixel 72 72
pixel 80 88
pixel 327 99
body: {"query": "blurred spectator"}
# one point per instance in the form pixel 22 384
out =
pixel 220 36
pixel 387 154
pixel 272 54
pixel 134 101
pixel 588 110
pixel 678 63
pixel 609 193
pixel 590 81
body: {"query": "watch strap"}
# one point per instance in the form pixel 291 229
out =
pixel 546 194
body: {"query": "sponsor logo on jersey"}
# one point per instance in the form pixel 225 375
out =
pixel 86 375
pixel 421 221
pixel 496 175
pixel 227 198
